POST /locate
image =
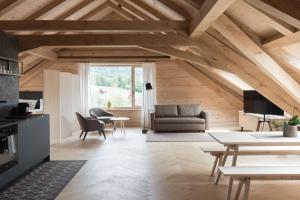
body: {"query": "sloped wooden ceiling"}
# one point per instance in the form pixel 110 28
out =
pixel 255 41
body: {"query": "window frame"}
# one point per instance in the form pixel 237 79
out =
pixel 132 71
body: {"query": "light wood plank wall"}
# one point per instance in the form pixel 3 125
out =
pixel 175 86
pixel 36 84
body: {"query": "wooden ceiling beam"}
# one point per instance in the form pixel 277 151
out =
pixel 93 26
pixel 114 60
pixel 27 42
pixel 223 91
pixel 275 12
pixel 149 9
pixel 208 13
pixel 107 52
pixel 257 55
pixel 176 8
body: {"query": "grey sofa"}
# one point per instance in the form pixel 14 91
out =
pixel 168 118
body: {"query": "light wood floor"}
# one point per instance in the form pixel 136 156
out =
pixel 128 168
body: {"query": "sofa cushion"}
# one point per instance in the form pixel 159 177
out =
pixel 179 120
pixel 192 110
pixel 166 111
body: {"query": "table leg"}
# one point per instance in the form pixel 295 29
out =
pixel 247 188
pixel 223 163
pixel 215 165
pixel 234 160
pixel 124 128
pixel 238 192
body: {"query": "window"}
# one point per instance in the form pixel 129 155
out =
pixel 120 85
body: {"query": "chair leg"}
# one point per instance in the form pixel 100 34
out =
pixel 85 136
pixel 99 132
pixel 81 134
pixel 214 166
pixel 104 134
pixel 238 192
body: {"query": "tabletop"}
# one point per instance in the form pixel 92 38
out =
pixel 119 118
pixel 255 139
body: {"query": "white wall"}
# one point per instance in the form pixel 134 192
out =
pixel 66 110
pixel 61 101
pixel 76 101
pixel 52 103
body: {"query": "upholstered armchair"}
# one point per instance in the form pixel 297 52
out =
pixel 100 114
pixel 88 124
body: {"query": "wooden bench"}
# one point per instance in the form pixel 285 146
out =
pixel 218 151
pixel 246 174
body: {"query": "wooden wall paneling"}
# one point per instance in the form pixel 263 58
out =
pixel 257 55
pixel 133 114
pixel 176 86
pixel 35 71
pixel 225 92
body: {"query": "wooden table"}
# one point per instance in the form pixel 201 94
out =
pixel 122 123
pixel 233 140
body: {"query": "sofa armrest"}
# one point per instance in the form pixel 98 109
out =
pixel 152 117
pixel 204 115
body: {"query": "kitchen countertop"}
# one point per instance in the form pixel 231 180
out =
pixel 4 122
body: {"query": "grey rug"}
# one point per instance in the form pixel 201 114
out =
pixel 44 182
pixel 178 137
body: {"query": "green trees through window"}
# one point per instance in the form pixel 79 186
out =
pixel 115 84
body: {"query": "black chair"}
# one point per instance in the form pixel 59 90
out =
pixel 88 124
pixel 97 113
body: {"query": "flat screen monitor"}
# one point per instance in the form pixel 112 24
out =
pixel 258 104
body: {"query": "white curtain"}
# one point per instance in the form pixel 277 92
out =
pixel 149 97
pixel 84 89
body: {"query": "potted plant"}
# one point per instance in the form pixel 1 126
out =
pixel 109 105
pixel 290 128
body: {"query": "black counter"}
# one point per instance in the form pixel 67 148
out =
pixel 33 145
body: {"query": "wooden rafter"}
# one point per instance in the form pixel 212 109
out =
pixel 43 53
pixel 146 8
pixel 7 5
pixel 94 11
pixel 281 27
pixel 93 26
pixel 176 8
pixel 283 41
pixel 208 13
pixel 257 55
pixel 121 11
pixel 74 9
pixel 27 42
pixel 141 15
pixel 275 12
pixel 50 6
pixel 219 54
